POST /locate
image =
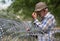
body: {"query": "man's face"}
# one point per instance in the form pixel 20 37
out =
pixel 41 13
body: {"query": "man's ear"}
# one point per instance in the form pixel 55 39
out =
pixel 46 9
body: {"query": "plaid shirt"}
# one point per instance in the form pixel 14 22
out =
pixel 46 24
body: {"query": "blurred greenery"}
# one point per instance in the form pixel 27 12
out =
pixel 22 9
pixel 57 35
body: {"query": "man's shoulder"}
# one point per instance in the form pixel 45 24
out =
pixel 50 16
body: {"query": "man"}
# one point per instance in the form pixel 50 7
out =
pixel 47 21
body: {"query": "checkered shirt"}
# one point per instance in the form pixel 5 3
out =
pixel 46 24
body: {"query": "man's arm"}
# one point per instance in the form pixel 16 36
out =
pixel 45 23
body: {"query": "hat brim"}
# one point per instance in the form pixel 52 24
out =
pixel 40 9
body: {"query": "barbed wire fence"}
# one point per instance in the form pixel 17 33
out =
pixel 16 31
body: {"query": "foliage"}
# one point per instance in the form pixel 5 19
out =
pixel 24 8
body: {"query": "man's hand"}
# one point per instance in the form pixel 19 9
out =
pixel 34 15
pixel 27 29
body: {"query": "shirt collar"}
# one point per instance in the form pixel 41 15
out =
pixel 47 14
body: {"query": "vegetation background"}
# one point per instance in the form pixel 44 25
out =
pixel 22 9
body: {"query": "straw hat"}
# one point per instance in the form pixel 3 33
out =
pixel 39 6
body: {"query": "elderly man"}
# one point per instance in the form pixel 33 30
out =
pixel 47 21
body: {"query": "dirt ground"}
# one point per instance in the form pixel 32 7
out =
pixel 58 28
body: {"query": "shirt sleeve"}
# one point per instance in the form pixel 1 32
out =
pixel 44 24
